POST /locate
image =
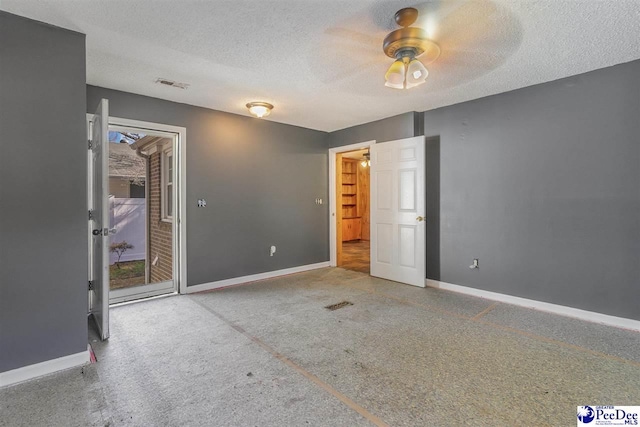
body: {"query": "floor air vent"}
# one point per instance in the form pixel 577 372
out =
pixel 338 305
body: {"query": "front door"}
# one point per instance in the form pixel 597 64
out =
pixel 99 218
pixel 398 232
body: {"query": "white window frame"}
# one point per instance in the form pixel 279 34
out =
pixel 167 153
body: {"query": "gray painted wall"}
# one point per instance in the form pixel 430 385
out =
pixel 432 153
pixel 260 180
pixel 396 127
pixel 542 185
pixel 43 220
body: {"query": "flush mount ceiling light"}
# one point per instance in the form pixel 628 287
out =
pixel 260 109
pixel 405 45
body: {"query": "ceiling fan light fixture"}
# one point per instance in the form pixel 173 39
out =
pixel 405 45
pixel 417 74
pixel 395 75
pixel 259 109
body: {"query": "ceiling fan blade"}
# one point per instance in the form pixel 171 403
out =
pixel 345 53
pixel 337 75
pixel 442 19
pixel 472 25
pixel 475 37
pixel 345 49
pixel 464 58
pixel 367 40
pixel 460 67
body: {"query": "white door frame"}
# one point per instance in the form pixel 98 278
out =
pixel 180 222
pixel 333 226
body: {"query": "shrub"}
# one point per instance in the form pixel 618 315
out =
pixel 119 249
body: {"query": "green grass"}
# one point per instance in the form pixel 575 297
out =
pixel 127 270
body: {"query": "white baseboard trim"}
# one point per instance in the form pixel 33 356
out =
pixel 47 367
pixel 562 310
pixel 254 277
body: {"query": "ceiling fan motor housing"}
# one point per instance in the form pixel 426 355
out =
pixel 409 41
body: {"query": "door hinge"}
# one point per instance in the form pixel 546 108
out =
pixel 91 288
pixel 90 214
pixel 89 144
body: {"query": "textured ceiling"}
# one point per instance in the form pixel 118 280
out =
pixel 320 62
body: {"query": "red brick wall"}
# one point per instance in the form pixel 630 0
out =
pixel 160 232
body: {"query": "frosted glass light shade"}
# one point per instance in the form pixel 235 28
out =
pixel 395 75
pixel 416 74
pixel 259 109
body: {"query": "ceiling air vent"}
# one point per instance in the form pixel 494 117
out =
pixel 171 83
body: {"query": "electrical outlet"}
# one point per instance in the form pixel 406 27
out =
pixel 272 250
pixel 475 264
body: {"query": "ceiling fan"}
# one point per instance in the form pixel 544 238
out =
pixel 458 40
pixel 406 45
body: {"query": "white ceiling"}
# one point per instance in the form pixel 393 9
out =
pixel 320 62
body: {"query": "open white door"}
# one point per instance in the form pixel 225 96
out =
pixel 99 218
pixel 398 232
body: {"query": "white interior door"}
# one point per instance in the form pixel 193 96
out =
pixel 398 231
pixel 99 217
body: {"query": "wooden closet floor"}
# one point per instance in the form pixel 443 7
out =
pixel 355 255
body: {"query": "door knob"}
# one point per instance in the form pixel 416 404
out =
pixel 96 232
pixel 113 230
pixel 420 219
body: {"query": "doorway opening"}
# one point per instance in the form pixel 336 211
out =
pixel 147 170
pixel 141 196
pixel 350 207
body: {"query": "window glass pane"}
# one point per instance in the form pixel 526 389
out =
pixel 169 200
pixel 170 168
